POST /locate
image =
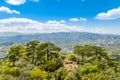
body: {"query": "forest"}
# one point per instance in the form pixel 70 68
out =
pixel 35 60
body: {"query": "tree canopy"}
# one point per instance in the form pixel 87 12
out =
pixel 45 61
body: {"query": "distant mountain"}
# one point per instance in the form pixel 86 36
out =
pixel 2 34
pixel 67 40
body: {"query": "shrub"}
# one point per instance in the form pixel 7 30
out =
pixel 61 73
pixel 59 62
pixel 11 71
pixel 71 57
pixel 37 73
pixel 8 77
pixel 51 65
pixel 89 69
pixel 74 75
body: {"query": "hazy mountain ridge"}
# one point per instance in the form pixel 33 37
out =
pixel 67 40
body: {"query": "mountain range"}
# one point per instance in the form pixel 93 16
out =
pixel 66 40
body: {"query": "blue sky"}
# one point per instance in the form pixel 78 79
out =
pixel 46 16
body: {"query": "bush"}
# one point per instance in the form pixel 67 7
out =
pixel 59 62
pixel 62 56
pixel 89 69
pixel 8 77
pixel 51 65
pixel 38 74
pixel 61 73
pixel 71 57
pixel 11 71
pixel 25 72
pixel 74 75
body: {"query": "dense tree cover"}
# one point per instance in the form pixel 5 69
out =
pixel 44 61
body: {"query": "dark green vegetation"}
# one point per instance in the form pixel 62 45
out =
pixel 35 60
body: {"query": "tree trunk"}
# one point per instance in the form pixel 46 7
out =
pixel 13 64
pixel 47 54
pixel 33 59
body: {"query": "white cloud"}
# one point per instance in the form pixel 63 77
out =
pixel 62 21
pixel 55 22
pixel 52 22
pixel 74 19
pixel 109 15
pixel 25 25
pixel 83 19
pixel 15 2
pixel 14 11
pixel 7 10
pixel 77 19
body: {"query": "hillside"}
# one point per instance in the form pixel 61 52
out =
pixel 67 40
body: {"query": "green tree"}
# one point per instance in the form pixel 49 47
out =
pixel 90 51
pixel 15 53
pixel 31 50
pixel 50 50
pixel 99 52
pixel 40 56
pixel 79 50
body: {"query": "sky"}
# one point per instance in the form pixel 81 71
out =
pixel 47 16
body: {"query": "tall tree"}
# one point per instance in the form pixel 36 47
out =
pixel 30 49
pixel 99 52
pixel 40 53
pixel 79 50
pixel 49 49
pixel 15 53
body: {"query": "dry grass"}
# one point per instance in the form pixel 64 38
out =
pixel 70 65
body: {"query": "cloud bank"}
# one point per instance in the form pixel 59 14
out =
pixel 25 25
pixel 109 15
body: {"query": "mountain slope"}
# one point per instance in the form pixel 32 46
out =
pixel 67 40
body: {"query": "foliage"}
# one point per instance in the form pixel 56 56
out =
pixel 71 57
pixel 38 74
pixel 15 53
pixel 61 73
pixel 11 71
pixel 75 75
pixel 30 50
pixel 59 62
pixel 89 69
pixel 51 65
pixel 44 61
